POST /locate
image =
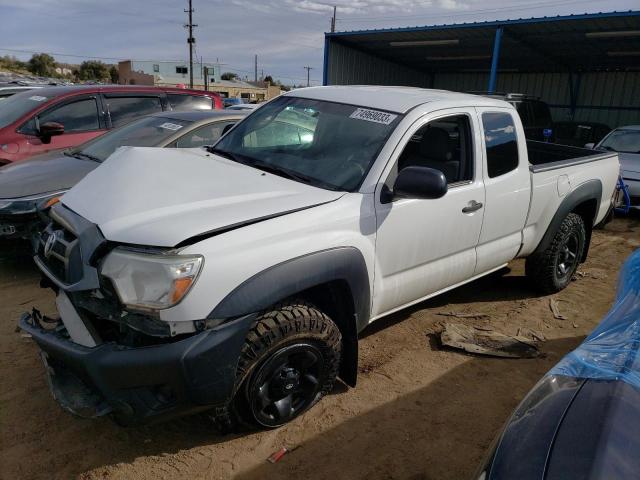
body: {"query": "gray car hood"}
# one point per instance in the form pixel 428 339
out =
pixel 45 173
pixel 163 196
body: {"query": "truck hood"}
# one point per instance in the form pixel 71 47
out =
pixel 45 173
pixel 164 196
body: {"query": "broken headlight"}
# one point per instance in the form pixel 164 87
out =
pixel 24 205
pixel 151 281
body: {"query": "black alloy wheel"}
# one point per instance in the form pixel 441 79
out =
pixel 286 384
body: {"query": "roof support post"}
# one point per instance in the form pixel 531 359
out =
pixel 574 88
pixel 494 60
pixel 325 66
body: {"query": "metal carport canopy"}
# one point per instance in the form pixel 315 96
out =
pixel 574 43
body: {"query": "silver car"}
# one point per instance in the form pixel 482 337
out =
pixel 626 141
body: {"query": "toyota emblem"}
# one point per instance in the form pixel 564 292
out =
pixel 51 241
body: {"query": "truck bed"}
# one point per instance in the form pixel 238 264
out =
pixel 549 156
pixel 556 171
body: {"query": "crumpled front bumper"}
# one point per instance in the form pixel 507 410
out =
pixel 141 384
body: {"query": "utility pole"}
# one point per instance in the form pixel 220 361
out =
pixel 255 68
pixel 308 69
pixel 190 41
pixel 333 20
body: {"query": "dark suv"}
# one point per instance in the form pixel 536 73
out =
pixel 53 118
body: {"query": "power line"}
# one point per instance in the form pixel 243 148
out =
pixel 333 20
pixel 465 14
pixel 191 41
pixel 308 69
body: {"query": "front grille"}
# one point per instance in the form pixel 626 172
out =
pixel 59 250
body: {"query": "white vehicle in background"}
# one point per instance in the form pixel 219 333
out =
pixel 237 280
pixel 626 142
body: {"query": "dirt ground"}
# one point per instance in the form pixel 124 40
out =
pixel 419 411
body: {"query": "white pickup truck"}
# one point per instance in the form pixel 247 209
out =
pixel 236 279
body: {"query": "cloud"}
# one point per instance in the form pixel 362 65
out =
pixel 285 34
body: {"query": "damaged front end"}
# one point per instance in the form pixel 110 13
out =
pixel 105 356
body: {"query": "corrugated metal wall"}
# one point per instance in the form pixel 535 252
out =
pixel 347 66
pixel 612 98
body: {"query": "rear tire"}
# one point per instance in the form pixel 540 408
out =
pixel 552 269
pixel 289 361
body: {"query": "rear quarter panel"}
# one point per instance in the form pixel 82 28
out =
pixel 551 187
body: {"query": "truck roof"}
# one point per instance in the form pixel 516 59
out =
pixel 391 99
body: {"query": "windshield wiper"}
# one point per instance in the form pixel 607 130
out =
pixel 223 153
pixel 282 172
pixel 80 154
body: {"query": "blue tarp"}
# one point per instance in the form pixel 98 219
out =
pixel 612 350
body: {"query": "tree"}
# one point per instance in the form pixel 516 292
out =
pixel 114 74
pixel 42 64
pixel 229 76
pixel 93 70
pixel 269 79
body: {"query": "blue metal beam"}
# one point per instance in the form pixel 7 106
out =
pixel 325 66
pixel 494 60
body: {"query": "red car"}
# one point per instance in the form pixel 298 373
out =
pixel 54 118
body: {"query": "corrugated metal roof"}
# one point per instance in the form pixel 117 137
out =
pixel 545 44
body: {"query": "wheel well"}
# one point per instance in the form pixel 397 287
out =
pixel 588 211
pixel 336 300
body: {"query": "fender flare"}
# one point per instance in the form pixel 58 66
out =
pixel 301 273
pixel 296 275
pixel 589 190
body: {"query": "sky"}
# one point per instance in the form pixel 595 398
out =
pixel 287 35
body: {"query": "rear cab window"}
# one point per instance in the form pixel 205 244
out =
pixel 501 143
pixel 123 109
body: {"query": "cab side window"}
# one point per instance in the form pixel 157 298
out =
pixel 445 145
pixel 79 116
pixel 501 143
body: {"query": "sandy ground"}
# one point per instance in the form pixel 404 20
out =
pixel 419 411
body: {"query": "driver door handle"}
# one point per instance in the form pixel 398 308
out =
pixel 472 207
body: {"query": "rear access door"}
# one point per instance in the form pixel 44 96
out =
pixel 507 184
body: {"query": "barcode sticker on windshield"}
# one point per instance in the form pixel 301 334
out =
pixel 37 98
pixel 171 126
pixel 373 116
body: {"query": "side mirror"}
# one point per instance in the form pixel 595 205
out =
pixel 420 182
pixel 50 129
pixel 589 145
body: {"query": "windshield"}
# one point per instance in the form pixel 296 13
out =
pixel 623 141
pixel 325 144
pixel 19 104
pixel 144 132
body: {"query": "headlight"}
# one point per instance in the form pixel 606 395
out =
pixel 151 281
pixel 28 204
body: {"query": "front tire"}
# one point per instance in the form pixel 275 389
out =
pixel 289 361
pixel 552 269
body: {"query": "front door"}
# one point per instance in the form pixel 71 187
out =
pixel 80 117
pixel 424 246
